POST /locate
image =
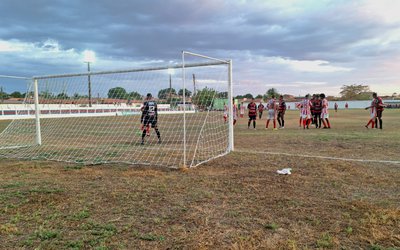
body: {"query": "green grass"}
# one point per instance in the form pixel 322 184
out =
pixel 233 202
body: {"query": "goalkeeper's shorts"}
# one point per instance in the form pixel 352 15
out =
pixel 150 120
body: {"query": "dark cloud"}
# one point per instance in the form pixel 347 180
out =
pixel 157 29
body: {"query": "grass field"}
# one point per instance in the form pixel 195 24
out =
pixel 234 202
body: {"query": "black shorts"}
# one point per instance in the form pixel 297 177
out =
pixel 150 120
pixel 281 114
pixel 379 113
pixel 252 117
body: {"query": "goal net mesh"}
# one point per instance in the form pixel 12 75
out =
pixel 104 125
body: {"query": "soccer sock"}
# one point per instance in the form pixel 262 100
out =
pixel 267 124
pixel 308 122
pixel 143 134
pixel 323 121
pixel 369 122
pixel 300 121
pixel 279 122
pixel 158 133
pixel 304 122
pixel 234 122
pixel 274 124
pixel 373 124
pixel 327 121
pixel 254 124
pixel 283 123
pixel 380 123
pixel 248 124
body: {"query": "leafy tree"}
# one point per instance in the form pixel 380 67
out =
pixel 76 96
pixel 164 93
pixel 239 97
pixel 62 96
pixel 259 96
pixel 117 93
pixel 204 98
pixel 16 94
pixel 271 92
pixel 135 96
pixel 223 95
pixel 187 92
pixel 46 95
pixel 355 92
pixel 3 95
pixel 248 96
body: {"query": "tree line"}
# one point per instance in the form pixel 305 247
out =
pixel 170 95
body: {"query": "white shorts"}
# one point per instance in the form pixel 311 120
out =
pixel 271 114
pixel 325 116
pixel 305 116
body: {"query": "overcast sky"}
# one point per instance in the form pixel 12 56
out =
pixel 298 47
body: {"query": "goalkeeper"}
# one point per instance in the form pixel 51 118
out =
pixel 149 117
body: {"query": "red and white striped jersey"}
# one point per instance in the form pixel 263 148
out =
pixel 325 106
pixel 271 104
pixel 226 109
pixel 306 107
pixel 242 109
pixel 235 111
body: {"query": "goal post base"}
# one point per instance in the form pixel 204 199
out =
pixel 184 168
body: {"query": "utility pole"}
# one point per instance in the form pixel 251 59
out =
pixel 89 85
pixel 170 88
pixel 194 85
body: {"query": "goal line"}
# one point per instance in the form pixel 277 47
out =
pixel 318 157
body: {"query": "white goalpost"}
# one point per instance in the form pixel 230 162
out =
pixel 96 117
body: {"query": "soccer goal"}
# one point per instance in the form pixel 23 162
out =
pixel 96 117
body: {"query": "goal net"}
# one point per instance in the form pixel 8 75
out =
pixel 96 117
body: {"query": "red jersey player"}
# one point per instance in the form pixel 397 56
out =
pixel 306 111
pixel 281 112
pixel 379 109
pixel 272 111
pixel 252 107
pixel 234 111
pixel 242 109
pixel 260 110
pixel 325 113
pixel 226 110
pixel 372 114
pixel 317 112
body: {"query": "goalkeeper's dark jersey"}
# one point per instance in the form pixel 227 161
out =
pixel 150 110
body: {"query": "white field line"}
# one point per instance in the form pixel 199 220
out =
pixel 317 156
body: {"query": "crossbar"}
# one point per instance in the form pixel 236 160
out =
pixel 178 66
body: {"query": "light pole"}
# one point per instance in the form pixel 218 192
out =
pixel 89 57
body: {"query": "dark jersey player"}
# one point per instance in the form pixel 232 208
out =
pixel 252 107
pixel 149 117
pixel 281 112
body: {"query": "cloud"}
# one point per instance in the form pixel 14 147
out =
pixel 269 41
pixel 309 66
pixel 10 46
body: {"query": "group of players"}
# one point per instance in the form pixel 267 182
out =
pixel 376 109
pixel 312 111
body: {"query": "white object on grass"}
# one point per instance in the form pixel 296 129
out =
pixel 284 171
